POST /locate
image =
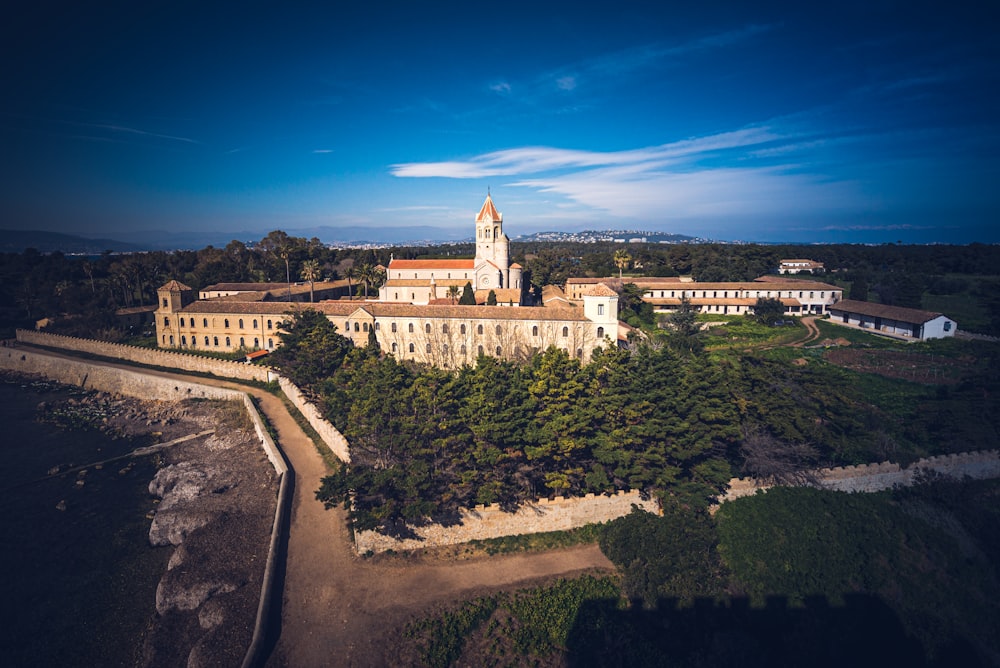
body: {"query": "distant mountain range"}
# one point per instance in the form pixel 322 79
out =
pixel 626 236
pixel 16 241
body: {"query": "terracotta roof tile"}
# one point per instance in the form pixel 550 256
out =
pixel 488 211
pixel 431 264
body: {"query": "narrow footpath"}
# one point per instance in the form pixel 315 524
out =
pixel 341 610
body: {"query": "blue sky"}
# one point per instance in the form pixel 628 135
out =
pixel 766 121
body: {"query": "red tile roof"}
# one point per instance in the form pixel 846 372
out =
pixel 432 264
pixel 488 211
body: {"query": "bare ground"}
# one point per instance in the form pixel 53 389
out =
pixel 339 609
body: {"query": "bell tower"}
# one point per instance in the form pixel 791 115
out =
pixel 492 245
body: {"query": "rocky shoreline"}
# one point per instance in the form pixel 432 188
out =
pixel 217 496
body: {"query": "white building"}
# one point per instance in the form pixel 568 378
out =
pixel 896 321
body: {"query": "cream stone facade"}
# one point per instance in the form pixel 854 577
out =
pixel 445 336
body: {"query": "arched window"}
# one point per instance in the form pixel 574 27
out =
pixel 411 328
pixel 243 343
pixel 256 343
pixel 393 328
pixel 182 322
pixel 270 343
pixel 215 341
pixel 499 351
pixel 462 329
pixel 427 348
pixel 206 340
pixel 376 327
pixel 444 328
pixel 427 328
pixel 226 322
pixel 411 347
pixel 364 327
pixel 600 332
pixel 241 323
pixel 479 330
pixel 164 302
pixel 269 325
pixel 534 330
pixel 565 331
pixel 579 353
pixel 228 344
pixel 480 350
pixel 499 330
pixel 171 339
pixel 445 348
pixel 166 322
pixel 357 327
pixel 394 347
pixel 184 340
pixel 255 323
pixel 463 349
pixel 204 322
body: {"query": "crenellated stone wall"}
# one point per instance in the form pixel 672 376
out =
pixel 109 379
pixel 334 439
pixel 150 356
pixel 978 464
pixel 186 362
pixel 558 514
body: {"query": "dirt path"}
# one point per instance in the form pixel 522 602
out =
pixel 339 609
pixel 812 332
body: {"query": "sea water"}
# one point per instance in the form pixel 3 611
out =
pixel 77 574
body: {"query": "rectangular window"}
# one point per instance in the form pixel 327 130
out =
pixel 600 309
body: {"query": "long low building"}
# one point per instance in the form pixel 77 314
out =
pixel 443 335
pixel 799 297
pixel 896 321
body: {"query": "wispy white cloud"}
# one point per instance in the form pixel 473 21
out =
pixel 566 83
pixel 714 176
pixel 610 69
pixel 133 131
pixel 535 159
pixel 323 150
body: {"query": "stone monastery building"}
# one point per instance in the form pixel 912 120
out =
pixel 406 325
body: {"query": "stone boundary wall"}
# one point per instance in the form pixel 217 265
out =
pixel 150 356
pixel 334 439
pixel 95 376
pixel 558 514
pixel 978 464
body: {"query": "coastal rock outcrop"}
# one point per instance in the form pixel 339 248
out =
pixel 217 497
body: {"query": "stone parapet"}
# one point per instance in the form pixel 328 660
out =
pixel 149 356
pixel 334 439
pixel 977 464
pixel 483 522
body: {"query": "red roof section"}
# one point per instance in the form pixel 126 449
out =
pixel 432 264
pixel 488 211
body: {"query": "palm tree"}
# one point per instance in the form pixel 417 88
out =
pixel 622 260
pixel 453 293
pixel 310 272
pixel 365 275
pixel 350 274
